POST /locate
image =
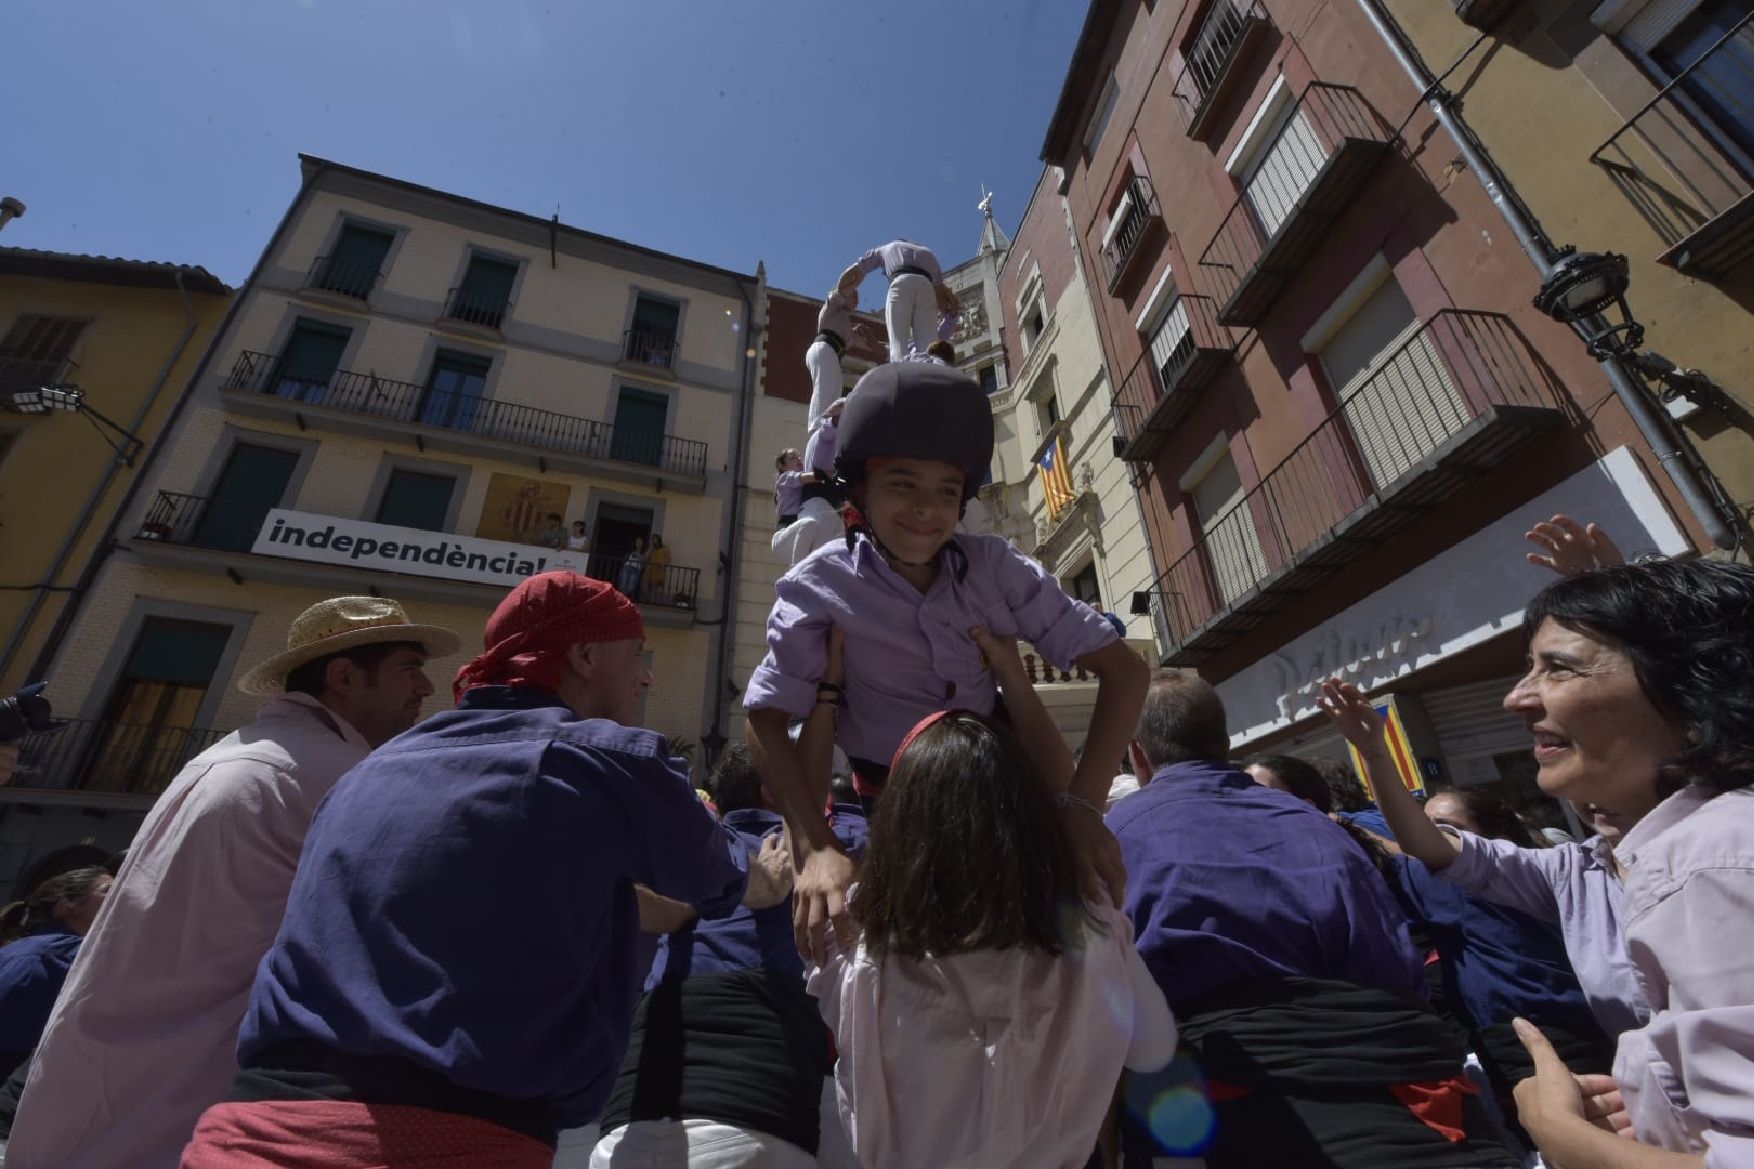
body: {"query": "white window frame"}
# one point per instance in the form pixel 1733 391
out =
pixel 1262 129
pixel 1118 216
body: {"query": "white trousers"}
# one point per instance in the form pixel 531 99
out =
pixel 572 1150
pixel 825 380
pixel 695 1144
pixel 912 315
pixel 818 523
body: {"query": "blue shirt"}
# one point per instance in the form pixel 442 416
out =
pixel 1230 882
pixel 32 970
pixel 465 899
pixel 750 939
pixel 1501 963
pixel 1371 820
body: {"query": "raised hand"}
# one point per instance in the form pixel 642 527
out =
pixel 1351 713
pixel 1570 548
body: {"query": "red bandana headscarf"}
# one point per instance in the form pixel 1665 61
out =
pixel 527 636
pixel 919 729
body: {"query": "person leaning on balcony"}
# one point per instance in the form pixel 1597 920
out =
pixel 553 532
pixel 657 568
pixel 917 293
pixel 580 540
pixel 456 976
pixel 143 1036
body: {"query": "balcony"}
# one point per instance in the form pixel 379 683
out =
pixel 649 348
pixel 484 311
pixel 1306 179
pixel 275 544
pixel 1140 222
pixel 1484 14
pixel 372 405
pixel 341 278
pixel 100 756
pixel 1685 160
pixel 1227 35
pixel 1448 405
pixel 1189 349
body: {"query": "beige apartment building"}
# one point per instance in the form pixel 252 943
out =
pixel 406 390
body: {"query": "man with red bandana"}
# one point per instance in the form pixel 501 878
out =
pixel 456 973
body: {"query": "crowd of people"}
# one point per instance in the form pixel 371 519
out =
pixel 512 934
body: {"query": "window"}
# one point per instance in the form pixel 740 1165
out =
pixel 1279 156
pixel 1391 384
pixel 146 730
pixel 652 339
pixel 251 484
pixel 1047 412
pixel 352 268
pixel 1083 587
pixel 417 499
pixel 619 531
pixel 1033 325
pixel 640 418
pixel 36 351
pixel 309 360
pixel 485 294
pixel 989 378
pixel 453 390
pixel 1721 83
pixel 1227 526
pixel 1105 108
pixel 1169 331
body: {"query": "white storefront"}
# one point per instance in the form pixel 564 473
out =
pixel 1471 593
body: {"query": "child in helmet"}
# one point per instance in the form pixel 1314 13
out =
pixel 907 590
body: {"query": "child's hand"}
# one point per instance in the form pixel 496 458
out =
pixel 1002 658
pixel 1351 713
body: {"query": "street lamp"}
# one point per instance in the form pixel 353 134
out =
pixel 1581 288
pixel 62 396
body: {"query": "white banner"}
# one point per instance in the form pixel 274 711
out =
pixel 327 539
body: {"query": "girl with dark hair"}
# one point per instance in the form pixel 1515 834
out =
pixel 39 937
pixel 986 1013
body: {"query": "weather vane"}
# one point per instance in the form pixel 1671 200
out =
pixel 986 204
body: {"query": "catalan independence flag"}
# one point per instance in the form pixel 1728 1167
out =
pixel 1056 478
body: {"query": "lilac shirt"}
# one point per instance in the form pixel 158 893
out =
pixel 909 655
pixel 1688 1074
pixel 824 441
pixel 901 254
pixel 788 492
pixel 835 318
pixel 1573 886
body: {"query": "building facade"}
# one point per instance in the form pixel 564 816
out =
pixel 1059 491
pixel 414 395
pixel 1340 404
pixel 123 334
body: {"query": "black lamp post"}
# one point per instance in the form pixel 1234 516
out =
pixel 1582 289
pixel 59 396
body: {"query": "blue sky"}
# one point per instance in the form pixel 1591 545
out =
pixel 793 131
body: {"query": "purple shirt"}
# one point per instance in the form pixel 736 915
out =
pixel 908 655
pixel 824 441
pixel 901 254
pixel 1231 882
pixel 1573 886
pixel 1688 1074
pixel 835 318
pixel 788 492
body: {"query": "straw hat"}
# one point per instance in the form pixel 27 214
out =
pixel 331 626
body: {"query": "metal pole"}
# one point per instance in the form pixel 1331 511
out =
pixel 1655 426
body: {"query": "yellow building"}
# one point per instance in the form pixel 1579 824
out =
pixel 126 334
pixel 1625 126
pixel 411 387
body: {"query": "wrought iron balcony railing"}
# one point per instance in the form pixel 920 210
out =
pixel 335 275
pixel 1186 352
pixel 1139 221
pixel 485 310
pixel 1455 398
pixel 1226 34
pixel 649 347
pixel 1685 160
pixel 1306 178
pixel 104 756
pixel 416 405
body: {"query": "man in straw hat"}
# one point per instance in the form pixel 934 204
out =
pixel 144 1035
pixel 457 972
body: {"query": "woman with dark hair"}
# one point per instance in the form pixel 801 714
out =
pixel 1290 774
pixel 1482 812
pixel 973 924
pixel 1640 700
pixel 38 938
